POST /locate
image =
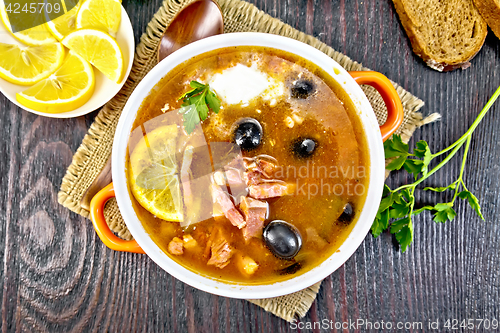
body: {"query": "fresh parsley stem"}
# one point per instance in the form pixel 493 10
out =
pixel 474 124
pixel 463 184
pixel 467 145
pixel 460 180
pixel 430 173
pixel 399 204
pixel 412 202
pixel 456 146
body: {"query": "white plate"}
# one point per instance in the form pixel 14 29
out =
pixel 105 89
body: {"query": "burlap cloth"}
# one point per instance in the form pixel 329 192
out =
pixel 95 149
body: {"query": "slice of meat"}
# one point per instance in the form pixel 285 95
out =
pixel 265 167
pixel 227 206
pixel 236 163
pixel 252 177
pixel 237 186
pixel 233 177
pixel 221 251
pixel 269 190
pixel 176 246
pixel 255 212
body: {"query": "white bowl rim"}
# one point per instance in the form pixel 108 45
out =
pixel 235 290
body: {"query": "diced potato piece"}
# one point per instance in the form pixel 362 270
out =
pixel 189 242
pixel 298 119
pixel 246 265
pixel 176 246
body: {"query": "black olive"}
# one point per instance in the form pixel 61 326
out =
pixel 301 89
pixel 292 269
pixel 304 147
pixel 283 239
pixel 248 134
pixel 348 214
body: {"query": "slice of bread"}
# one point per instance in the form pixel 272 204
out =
pixel 490 11
pixel 446 34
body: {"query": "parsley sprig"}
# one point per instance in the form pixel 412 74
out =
pixel 398 205
pixel 196 104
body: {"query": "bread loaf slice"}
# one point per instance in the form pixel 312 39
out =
pixel 490 11
pixel 446 34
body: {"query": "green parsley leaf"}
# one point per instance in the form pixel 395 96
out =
pixel 440 207
pixel 190 93
pixel 396 164
pixel 473 202
pixel 405 236
pixel 420 210
pixel 403 230
pixel 400 210
pixel 398 225
pixel 381 223
pixel 191 118
pixel 200 105
pixel 395 147
pixel 444 212
pixel 213 101
pixel 415 167
pixel 196 105
pixel 422 150
pixel 196 84
pixel 387 201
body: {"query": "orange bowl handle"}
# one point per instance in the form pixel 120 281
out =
pixel 101 227
pixel 390 97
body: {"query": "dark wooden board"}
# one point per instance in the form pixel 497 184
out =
pixel 56 275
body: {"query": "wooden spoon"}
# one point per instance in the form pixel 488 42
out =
pixel 198 20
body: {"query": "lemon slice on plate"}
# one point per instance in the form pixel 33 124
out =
pixel 104 15
pixel 68 88
pixel 30 64
pixel 98 48
pixel 64 24
pixel 34 36
pixel 153 173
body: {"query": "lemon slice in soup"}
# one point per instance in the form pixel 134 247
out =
pixel 153 173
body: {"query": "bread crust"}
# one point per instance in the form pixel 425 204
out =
pixel 490 11
pixel 420 43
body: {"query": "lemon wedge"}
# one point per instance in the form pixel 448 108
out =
pixel 64 24
pixel 67 89
pixel 104 15
pixel 98 48
pixel 30 64
pixel 34 36
pixel 153 173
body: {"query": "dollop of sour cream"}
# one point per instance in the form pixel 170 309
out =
pixel 240 84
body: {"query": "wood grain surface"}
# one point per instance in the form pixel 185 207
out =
pixel 57 276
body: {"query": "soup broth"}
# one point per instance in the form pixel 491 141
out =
pixel 295 152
